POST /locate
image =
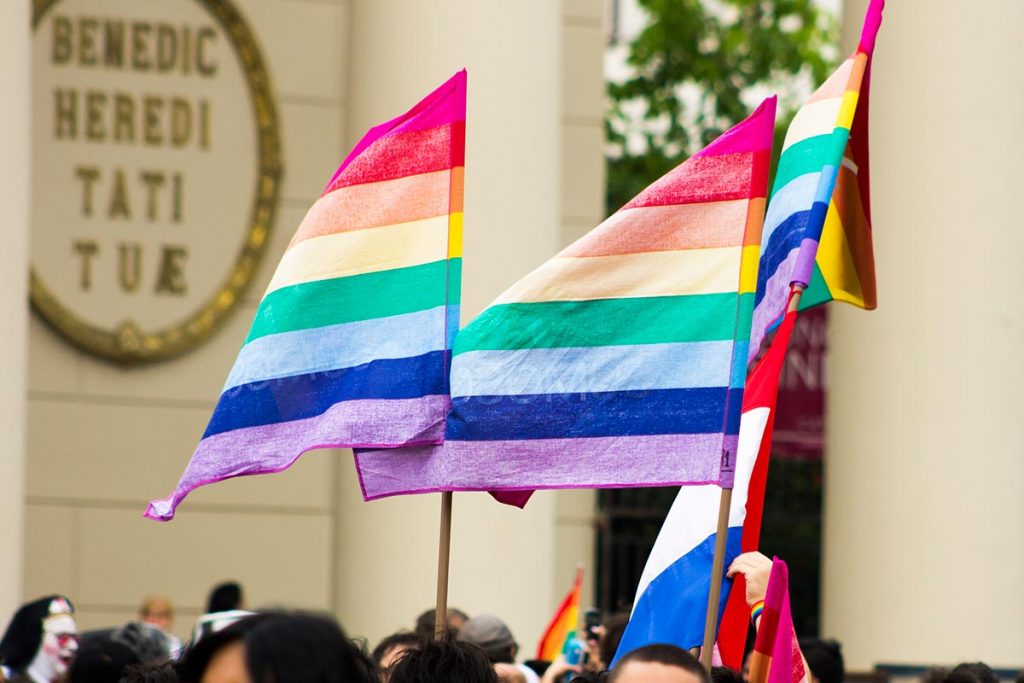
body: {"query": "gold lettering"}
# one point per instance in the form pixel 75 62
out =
pixel 86 249
pixel 113 43
pixel 65 113
pixel 203 66
pixel 95 105
pixel 152 107
pixel 140 46
pixel 88 175
pixel 87 28
pixel 204 124
pixel 129 265
pixel 166 48
pixel 181 121
pixel 153 180
pixel 124 118
pixel 177 190
pixel 119 206
pixel 171 278
pixel 60 51
pixel 186 50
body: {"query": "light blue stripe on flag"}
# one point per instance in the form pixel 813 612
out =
pixel 340 346
pixel 593 369
pixel 795 196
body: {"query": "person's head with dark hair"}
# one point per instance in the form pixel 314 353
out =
pixel 391 648
pixel 659 663
pixel 979 671
pixel 225 597
pixel 278 647
pixel 452 661
pixel 492 636
pixel 101 659
pixel 591 677
pixel 614 627
pixel 723 674
pixel 147 641
pixel 454 620
pixel 154 672
pixel 825 657
pixel 935 674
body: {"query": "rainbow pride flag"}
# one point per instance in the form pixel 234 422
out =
pixel 776 657
pixel 621 361
pixel 817 230
pixel 351 342
pixel 564 624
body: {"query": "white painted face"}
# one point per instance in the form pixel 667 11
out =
pixel 60 642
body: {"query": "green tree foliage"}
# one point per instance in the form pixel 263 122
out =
pixel 697 69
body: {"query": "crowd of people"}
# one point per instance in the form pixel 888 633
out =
pixel 231 644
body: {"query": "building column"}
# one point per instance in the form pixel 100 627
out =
pixel 924 512
pixel 15 60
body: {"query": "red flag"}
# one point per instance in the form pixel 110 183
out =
pixel 776 657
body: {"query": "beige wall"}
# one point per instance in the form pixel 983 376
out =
pixel 14 197
pixel 103 440
pixel 923 559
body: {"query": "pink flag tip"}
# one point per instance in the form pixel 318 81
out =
pixel 872 21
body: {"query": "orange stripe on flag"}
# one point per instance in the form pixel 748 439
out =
pixel 564 622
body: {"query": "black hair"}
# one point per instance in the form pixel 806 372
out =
pixel 285 647
pixel 979 671
pixel 225 597
pixel 454 661
pixel 101 659
pixel 723 674
pixel 661 653
pixel 401 638
pixel 153 672
pixel 825 657
pixel 425 622
pixel 148 642
pixel 614 627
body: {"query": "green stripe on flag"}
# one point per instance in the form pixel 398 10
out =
pixel 357 297
pixel 810 155
pixel 604 322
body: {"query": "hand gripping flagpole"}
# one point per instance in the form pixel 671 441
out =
pixel 443 554
pixel 718 563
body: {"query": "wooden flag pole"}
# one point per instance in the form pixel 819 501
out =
pixel 717 572
pixel 444 547
pixel 718 563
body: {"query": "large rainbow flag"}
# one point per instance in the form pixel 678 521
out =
pixel 817 230
pixel 621 361
pixel 351 342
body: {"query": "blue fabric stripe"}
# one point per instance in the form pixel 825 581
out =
pixel 797 195
pixel 783 241
pixel 341 346
pixel 304 396
pixel 593 369
pixel 612 413
pixel 673 607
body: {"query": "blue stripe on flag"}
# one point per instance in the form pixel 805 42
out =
pixel 672 608
pixel 309 395
pixel 612 413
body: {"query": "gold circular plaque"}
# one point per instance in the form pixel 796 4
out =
pixel 127 340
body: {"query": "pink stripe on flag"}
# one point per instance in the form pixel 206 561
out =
pixel 275 448
pixel 748 136
pixel 541 464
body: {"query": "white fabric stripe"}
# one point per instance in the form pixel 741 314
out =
pixel 813 119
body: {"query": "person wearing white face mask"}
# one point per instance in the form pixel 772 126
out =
pixel 40 642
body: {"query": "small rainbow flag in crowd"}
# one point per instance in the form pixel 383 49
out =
pixel 621 361
pixel 817 231
pixel 351 342
pixel 564 624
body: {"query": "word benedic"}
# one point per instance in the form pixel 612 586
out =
pixel 162 52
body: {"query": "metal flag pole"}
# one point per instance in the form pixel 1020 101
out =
pixel 718 563
pixel 444 547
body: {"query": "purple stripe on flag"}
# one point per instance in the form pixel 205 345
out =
pixel 274 448
pixel 773 306
pixel 595 462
